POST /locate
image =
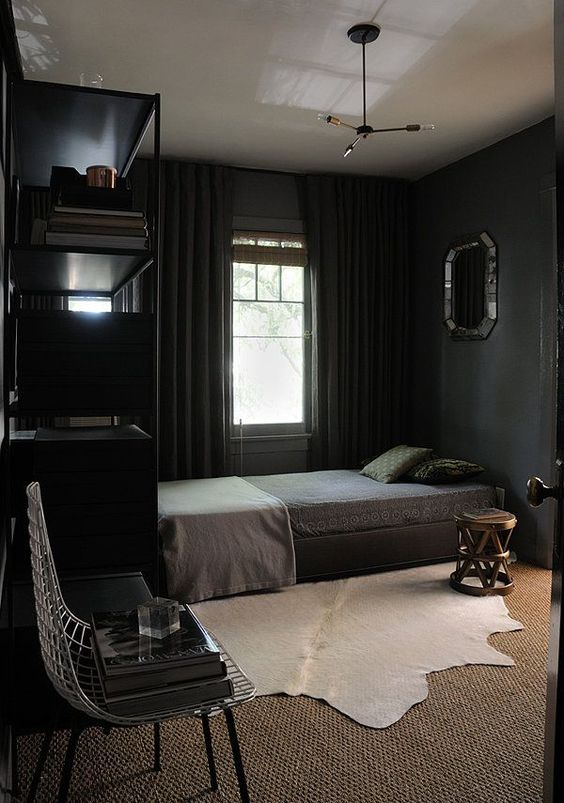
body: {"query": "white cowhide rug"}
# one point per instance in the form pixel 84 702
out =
pixel 363 644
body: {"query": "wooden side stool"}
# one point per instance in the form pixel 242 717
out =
pixel 483 552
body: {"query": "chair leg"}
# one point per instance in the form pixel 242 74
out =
pixel 14 768
pixel 157 746
pixel 69 760
pixel 238 761
pixel 209 752
pixel 46 744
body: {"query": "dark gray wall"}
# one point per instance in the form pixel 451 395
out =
pixel 268 202
pixel 492 401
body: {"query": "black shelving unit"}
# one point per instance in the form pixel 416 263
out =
pixel 102 516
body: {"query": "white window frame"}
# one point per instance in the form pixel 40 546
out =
pixel 257 255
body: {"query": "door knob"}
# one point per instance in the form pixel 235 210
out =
pixel 537 491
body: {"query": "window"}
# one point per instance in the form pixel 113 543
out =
pixel 81 304
pixel 270 338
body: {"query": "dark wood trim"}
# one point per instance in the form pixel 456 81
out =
pixel 5 755
pixel 554 731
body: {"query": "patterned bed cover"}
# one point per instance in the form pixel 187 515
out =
pixel 328 502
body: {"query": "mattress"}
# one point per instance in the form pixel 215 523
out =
pixel 329 502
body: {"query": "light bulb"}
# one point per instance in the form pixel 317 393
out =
pixel 350 148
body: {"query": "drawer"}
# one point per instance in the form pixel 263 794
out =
pixel 71 327
pixel 104 551
pixel 56 360
pixel 95 487
pixel 76 521
pixel 92 455
pixel 67 396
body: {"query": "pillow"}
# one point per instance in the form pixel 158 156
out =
pixel 390 465
pixel 442 469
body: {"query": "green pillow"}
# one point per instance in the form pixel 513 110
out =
pixel 443 469
pixel 390 465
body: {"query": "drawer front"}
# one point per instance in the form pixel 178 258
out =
pixel 97 487
pixel 53 456
pixel 66 396
pixel 70 327
pixel 77 521
pixel 104 551
pixel 55 360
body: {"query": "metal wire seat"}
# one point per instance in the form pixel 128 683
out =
pixel 66 649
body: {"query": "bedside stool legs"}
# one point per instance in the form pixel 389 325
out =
pixel 483 552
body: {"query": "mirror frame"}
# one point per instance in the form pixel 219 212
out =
pixel 483 329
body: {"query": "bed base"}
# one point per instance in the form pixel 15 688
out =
pixel 344 554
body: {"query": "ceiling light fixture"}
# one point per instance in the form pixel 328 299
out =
pixel 363 34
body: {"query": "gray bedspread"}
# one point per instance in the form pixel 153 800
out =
pixel 223 536
pixel 326 502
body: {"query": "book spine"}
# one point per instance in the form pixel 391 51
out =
pixel 84 210
pixel 104 230
pixel 186 698
pixel 94 240
pixel 165 678
pixel 106 221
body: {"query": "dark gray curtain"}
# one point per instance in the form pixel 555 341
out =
pixel 196 221
pixel 357 236
pixel 196 230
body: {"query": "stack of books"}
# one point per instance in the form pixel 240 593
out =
pixel 144 675
pixel 96 228
pixel 489 514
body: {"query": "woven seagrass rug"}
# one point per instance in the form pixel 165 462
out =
pixel 478 737
pixel 363 644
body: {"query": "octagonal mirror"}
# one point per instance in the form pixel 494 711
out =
pixel 470 287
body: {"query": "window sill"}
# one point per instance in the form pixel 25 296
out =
pixel 295 436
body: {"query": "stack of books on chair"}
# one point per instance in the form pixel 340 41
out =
pixel 85 227
pixel 144 675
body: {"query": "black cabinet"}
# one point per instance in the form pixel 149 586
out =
pixel 100 497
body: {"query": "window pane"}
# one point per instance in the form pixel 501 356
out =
pixel 268 320
pixel 291 244
pixel 90 304
pixel 292 284
pixel 268 282
pixel 243 280
pixel 267 380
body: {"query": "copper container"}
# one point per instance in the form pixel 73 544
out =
pixel 101 176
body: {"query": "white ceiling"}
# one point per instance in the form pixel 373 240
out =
pixel 242 81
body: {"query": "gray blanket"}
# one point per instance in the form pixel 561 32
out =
pixel 342 501
pixel 223 536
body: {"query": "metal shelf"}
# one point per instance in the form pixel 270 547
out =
pixel 79 126
pixel 49 269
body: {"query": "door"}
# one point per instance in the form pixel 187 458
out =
pixel 537 491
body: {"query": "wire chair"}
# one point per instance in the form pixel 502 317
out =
pixel 66 649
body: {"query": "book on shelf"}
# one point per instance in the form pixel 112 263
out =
pixel 94 197
pixel 110 223
pixel 168 678
pixel 111 231
pixel 85 210
pixel 85 240
pixel 487 514
pixel 183 697
pixel 122 650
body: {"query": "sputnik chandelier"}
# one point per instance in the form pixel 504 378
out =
pixel 363 34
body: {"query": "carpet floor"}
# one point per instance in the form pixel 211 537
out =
pixel 477 737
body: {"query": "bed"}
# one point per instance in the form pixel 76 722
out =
pixel 229 534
